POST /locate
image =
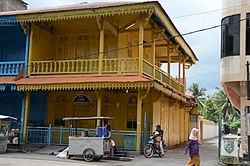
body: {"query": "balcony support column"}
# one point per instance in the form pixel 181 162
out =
pixel 140 49
pixel 101 43
pixel 25 116
pixel 99 107
pixel 30 50
pixel 179 74
pixel 140 96
pixel 184 74
pixel 153 51
pixel 169 64
pixel 27 46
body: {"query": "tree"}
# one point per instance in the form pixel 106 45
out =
pixel 210 110
pixel 198 93
pixel 224 105
pixel 234 124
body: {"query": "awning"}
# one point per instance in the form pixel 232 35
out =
pixel 80 82
pixel 6 81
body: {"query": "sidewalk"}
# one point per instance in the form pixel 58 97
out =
pixel 176 157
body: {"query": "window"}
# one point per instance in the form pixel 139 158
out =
pixel 131 124
pixel 230 32
pixel 248 35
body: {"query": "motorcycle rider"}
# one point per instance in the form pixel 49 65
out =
pixel 158 136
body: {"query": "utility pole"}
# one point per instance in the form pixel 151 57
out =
pixel 248 85
pixel 219 134
pixel 248 98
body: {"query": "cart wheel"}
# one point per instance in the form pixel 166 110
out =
pixel 68 156
pixel 88 155
pixel 98 158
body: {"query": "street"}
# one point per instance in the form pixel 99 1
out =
pixel 176 157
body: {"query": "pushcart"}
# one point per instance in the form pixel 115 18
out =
pixel 89 148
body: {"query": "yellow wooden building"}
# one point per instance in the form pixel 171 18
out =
pixel 93 59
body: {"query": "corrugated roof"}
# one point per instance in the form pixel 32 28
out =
pixel 92 78
pixel 7 79
pixel 93 5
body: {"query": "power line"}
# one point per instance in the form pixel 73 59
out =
pixel 211 11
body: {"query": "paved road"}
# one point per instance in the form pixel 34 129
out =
pixel 172 158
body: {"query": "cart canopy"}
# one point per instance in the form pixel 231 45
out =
pixel 7 118
pixel 89 118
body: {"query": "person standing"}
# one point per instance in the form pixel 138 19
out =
pixel 193 148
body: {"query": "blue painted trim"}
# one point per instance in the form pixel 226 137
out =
pixel 12 87
pixel 8 20
pixel 11 67
pixel 27 46
pixel 2 87
pixel 22 119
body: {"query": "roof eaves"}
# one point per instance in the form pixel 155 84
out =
pixel 185 48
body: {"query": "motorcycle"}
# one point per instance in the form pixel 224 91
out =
pixel 151 148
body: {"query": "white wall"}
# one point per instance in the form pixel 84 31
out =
pixel 209 131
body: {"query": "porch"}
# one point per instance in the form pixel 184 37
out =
pixel 124 139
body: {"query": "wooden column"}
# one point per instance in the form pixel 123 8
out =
pixel 99 106
pixel 179 74
pixel 169 64
pixel 30 49
pixel 141 36
pixel 140 97
pixel 184 74
pixel 153 52
pixel 179 71
pixel 26 115
pixel 138 130
pixel 27 47
pixel 101 45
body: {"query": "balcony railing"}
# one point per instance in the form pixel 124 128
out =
pixel 162 76
pixel 124 139
pixel 109 66
pixel 11 68
pixel 87 66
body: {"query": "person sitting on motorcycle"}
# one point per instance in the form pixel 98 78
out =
pixel 158 136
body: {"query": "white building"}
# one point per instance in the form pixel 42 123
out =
pixel 235 52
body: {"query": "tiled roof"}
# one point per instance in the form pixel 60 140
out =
pixel 93 78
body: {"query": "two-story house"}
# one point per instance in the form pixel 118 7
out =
pixel 104 59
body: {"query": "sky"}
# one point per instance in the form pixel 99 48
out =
pixel 206 45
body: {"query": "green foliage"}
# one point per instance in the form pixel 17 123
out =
pixel 234 124
pixel 198 93
pixel 211 106
pixel 210 110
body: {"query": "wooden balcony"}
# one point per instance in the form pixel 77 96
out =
pixel 162 76
pixel 11 68
pixel 110 66
pixel 86 66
